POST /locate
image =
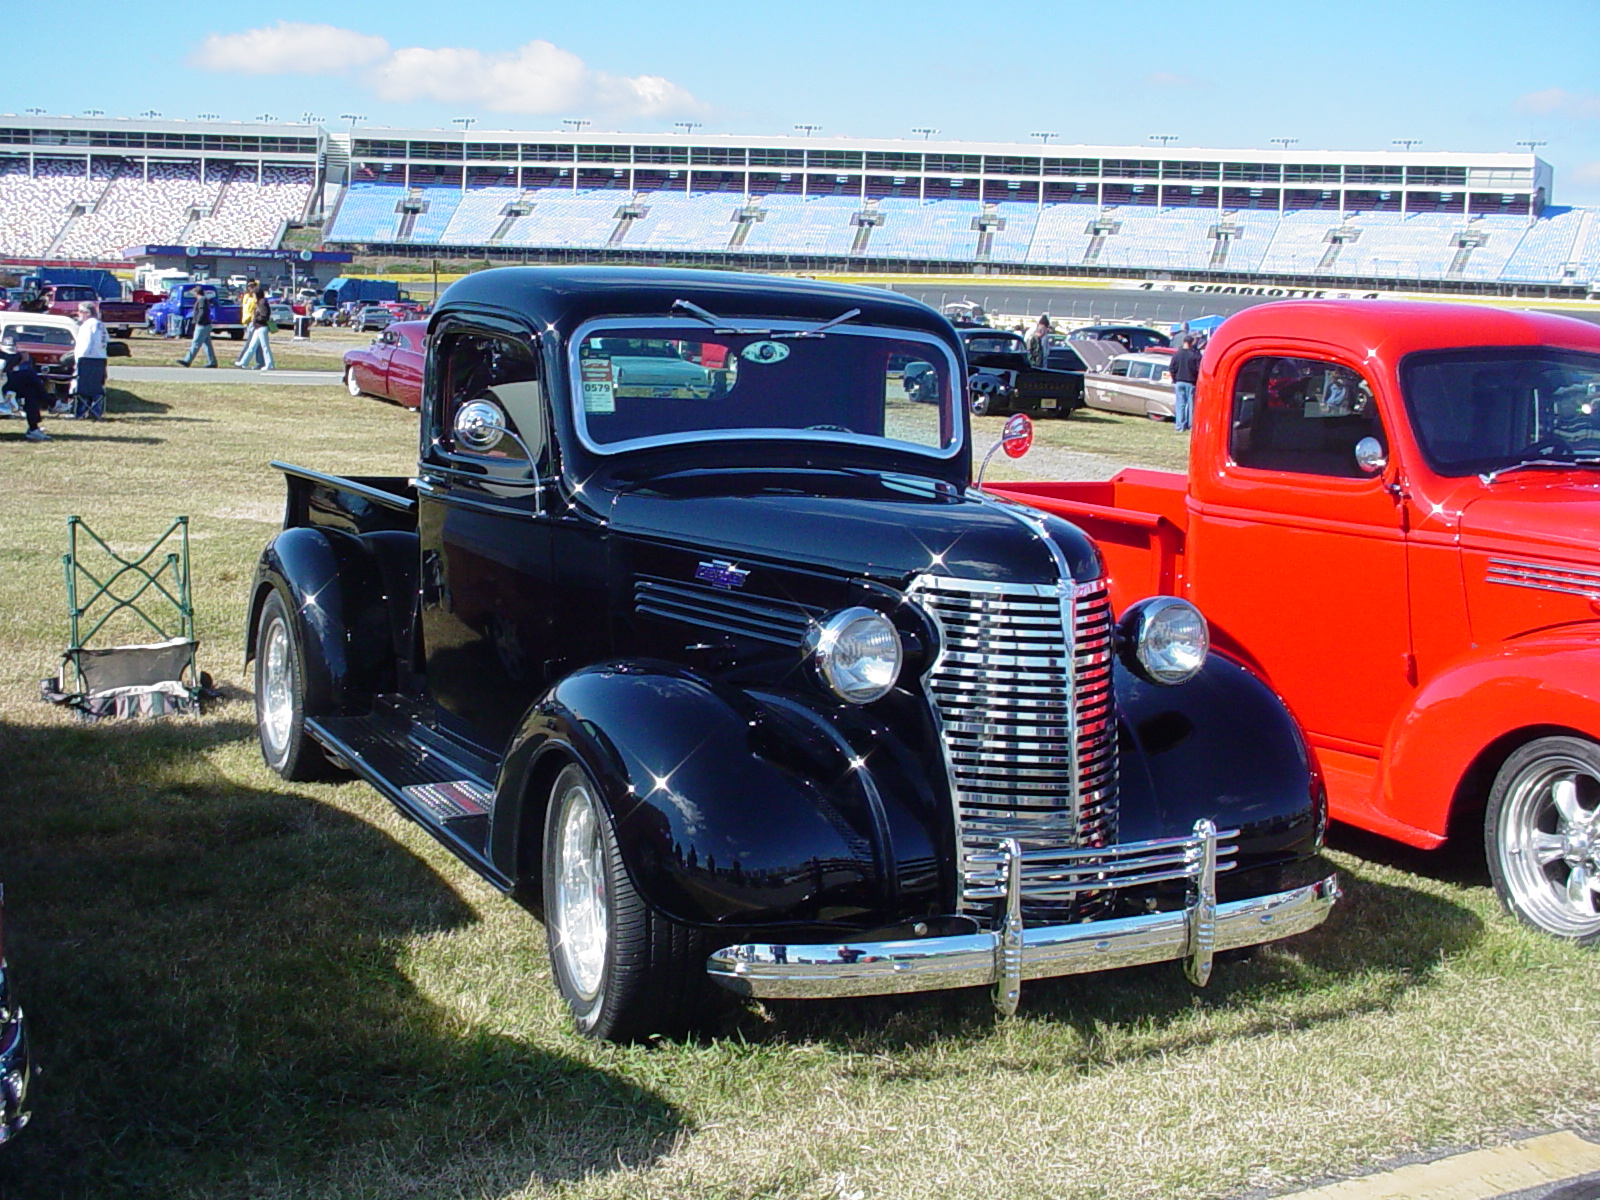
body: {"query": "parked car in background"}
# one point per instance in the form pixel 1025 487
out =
pixel 964 313
pixel 167 318
pixel 1133 383
pixel 49 339
pixel 16 1057
pixel 369 317
pixel 283 313
pixel 62 299
pixel 739 681
pixel 1000 379
pixel 1133 337
pixel 390 368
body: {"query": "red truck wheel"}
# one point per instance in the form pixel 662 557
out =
pixel 1542 836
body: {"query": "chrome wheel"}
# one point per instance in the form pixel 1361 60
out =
pixel 1543 836
pixel 350 383
pixel 580 914
pixel 275 688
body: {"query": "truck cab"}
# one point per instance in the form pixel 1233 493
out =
pixel 1392 513
pixel 690 633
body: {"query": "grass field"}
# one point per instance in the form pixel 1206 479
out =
pixel 244 988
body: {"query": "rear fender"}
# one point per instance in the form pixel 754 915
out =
pixel 336 589
pixel 732 807
pixel 1489 701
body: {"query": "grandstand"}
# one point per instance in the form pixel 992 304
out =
pixel 76 188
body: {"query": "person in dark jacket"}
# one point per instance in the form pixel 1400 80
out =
pixel 201 316
pixel 258 344
pixel 23 379
pixel 1185 374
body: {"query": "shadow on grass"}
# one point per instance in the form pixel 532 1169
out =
pixel 1380 942
pixel 212 975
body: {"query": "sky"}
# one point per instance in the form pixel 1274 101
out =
pixel 1465 76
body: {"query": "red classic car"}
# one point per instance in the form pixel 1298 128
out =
pixel 1391 512
pixel 390 368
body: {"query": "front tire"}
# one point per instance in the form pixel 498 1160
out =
pixel 283 697
pixel 350 384
pixel 625 972
pixel 1542 837
pixel 980 404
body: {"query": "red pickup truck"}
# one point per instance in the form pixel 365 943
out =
pixel 121 317
pixel 1392 512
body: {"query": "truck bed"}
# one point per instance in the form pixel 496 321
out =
pixel 1139 517
pixel 356 504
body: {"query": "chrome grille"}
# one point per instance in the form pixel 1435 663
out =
pixel 1023 692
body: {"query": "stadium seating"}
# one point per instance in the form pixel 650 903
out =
pixel 1061 235
pixel 369 212
pixel 818 225
pixel 478 215
pixel 1401 245
pixel 676 221
pixel 1501 234
pixel 562 217
pixel 35 207
pixel 1547 245
pixel 1174 239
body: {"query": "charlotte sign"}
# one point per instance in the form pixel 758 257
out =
pixel 1266 291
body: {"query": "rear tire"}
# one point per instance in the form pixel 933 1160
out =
pixel 980 404
pixel 283 697
pixel 1542 837
pixel 625 972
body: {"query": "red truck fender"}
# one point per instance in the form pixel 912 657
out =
pixel 1445 748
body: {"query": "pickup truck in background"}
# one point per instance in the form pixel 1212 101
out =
pixel 688 630
pixel 168 316
pixel 121 317
pixel 1392 511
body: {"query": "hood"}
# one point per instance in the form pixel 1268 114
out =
pixel 884 525
pixel 1541 512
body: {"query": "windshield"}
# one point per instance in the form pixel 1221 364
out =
pixel 990 343
pixel 642 383
pixel 39 335
pixel 1477 411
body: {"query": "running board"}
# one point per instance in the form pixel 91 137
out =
pixel 432 789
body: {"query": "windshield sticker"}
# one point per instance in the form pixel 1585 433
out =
pixel 599 393
pixel 765 352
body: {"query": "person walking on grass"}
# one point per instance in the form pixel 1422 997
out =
pixel 89 375
pixel 202 331
pixel 259 343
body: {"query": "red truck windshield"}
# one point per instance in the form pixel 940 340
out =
pixel 1481 410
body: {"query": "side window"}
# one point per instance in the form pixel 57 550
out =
pixel 1120 367
pixel 476 366
pixel 1301 415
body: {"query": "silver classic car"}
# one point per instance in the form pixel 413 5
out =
pixel 1132 383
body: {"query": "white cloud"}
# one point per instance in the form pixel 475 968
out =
pixel 289 48
pixel 1561 102
pixel 537 77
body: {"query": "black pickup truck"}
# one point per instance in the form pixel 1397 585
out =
pixel 691 634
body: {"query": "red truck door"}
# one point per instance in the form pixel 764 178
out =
pixel 1296 553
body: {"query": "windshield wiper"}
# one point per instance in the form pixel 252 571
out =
pixel 823 328
pixel 1488 477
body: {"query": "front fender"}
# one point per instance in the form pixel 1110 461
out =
pixel 731 807
pixel 336 592
pixel 1222 747
pixel 1481 702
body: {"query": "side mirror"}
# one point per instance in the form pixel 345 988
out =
pixel 1370 456
pixel 480 425
pixel 1015 439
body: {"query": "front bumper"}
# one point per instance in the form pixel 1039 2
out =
pixel 1008 954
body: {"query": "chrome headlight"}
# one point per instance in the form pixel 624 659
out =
pixel 1164 639
pixel 857 653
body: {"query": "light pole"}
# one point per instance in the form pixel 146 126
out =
pixel 310 118
pixel 1166 139
pixel 1284 142
pixel 352 118
pixel 100 112
pixel 1044 137
pixel 35 112
pixel 688 127
pixel 577 123
pixel 926 131
pixel 808 130
pixel 1533 147
pixel 151 113
pixel 1406 143
pixel 207 116
pixel 266 118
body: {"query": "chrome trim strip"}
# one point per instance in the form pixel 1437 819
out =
pixel 1575 581
pixel 833 969
pixel 1009 938
pixel 1203 908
